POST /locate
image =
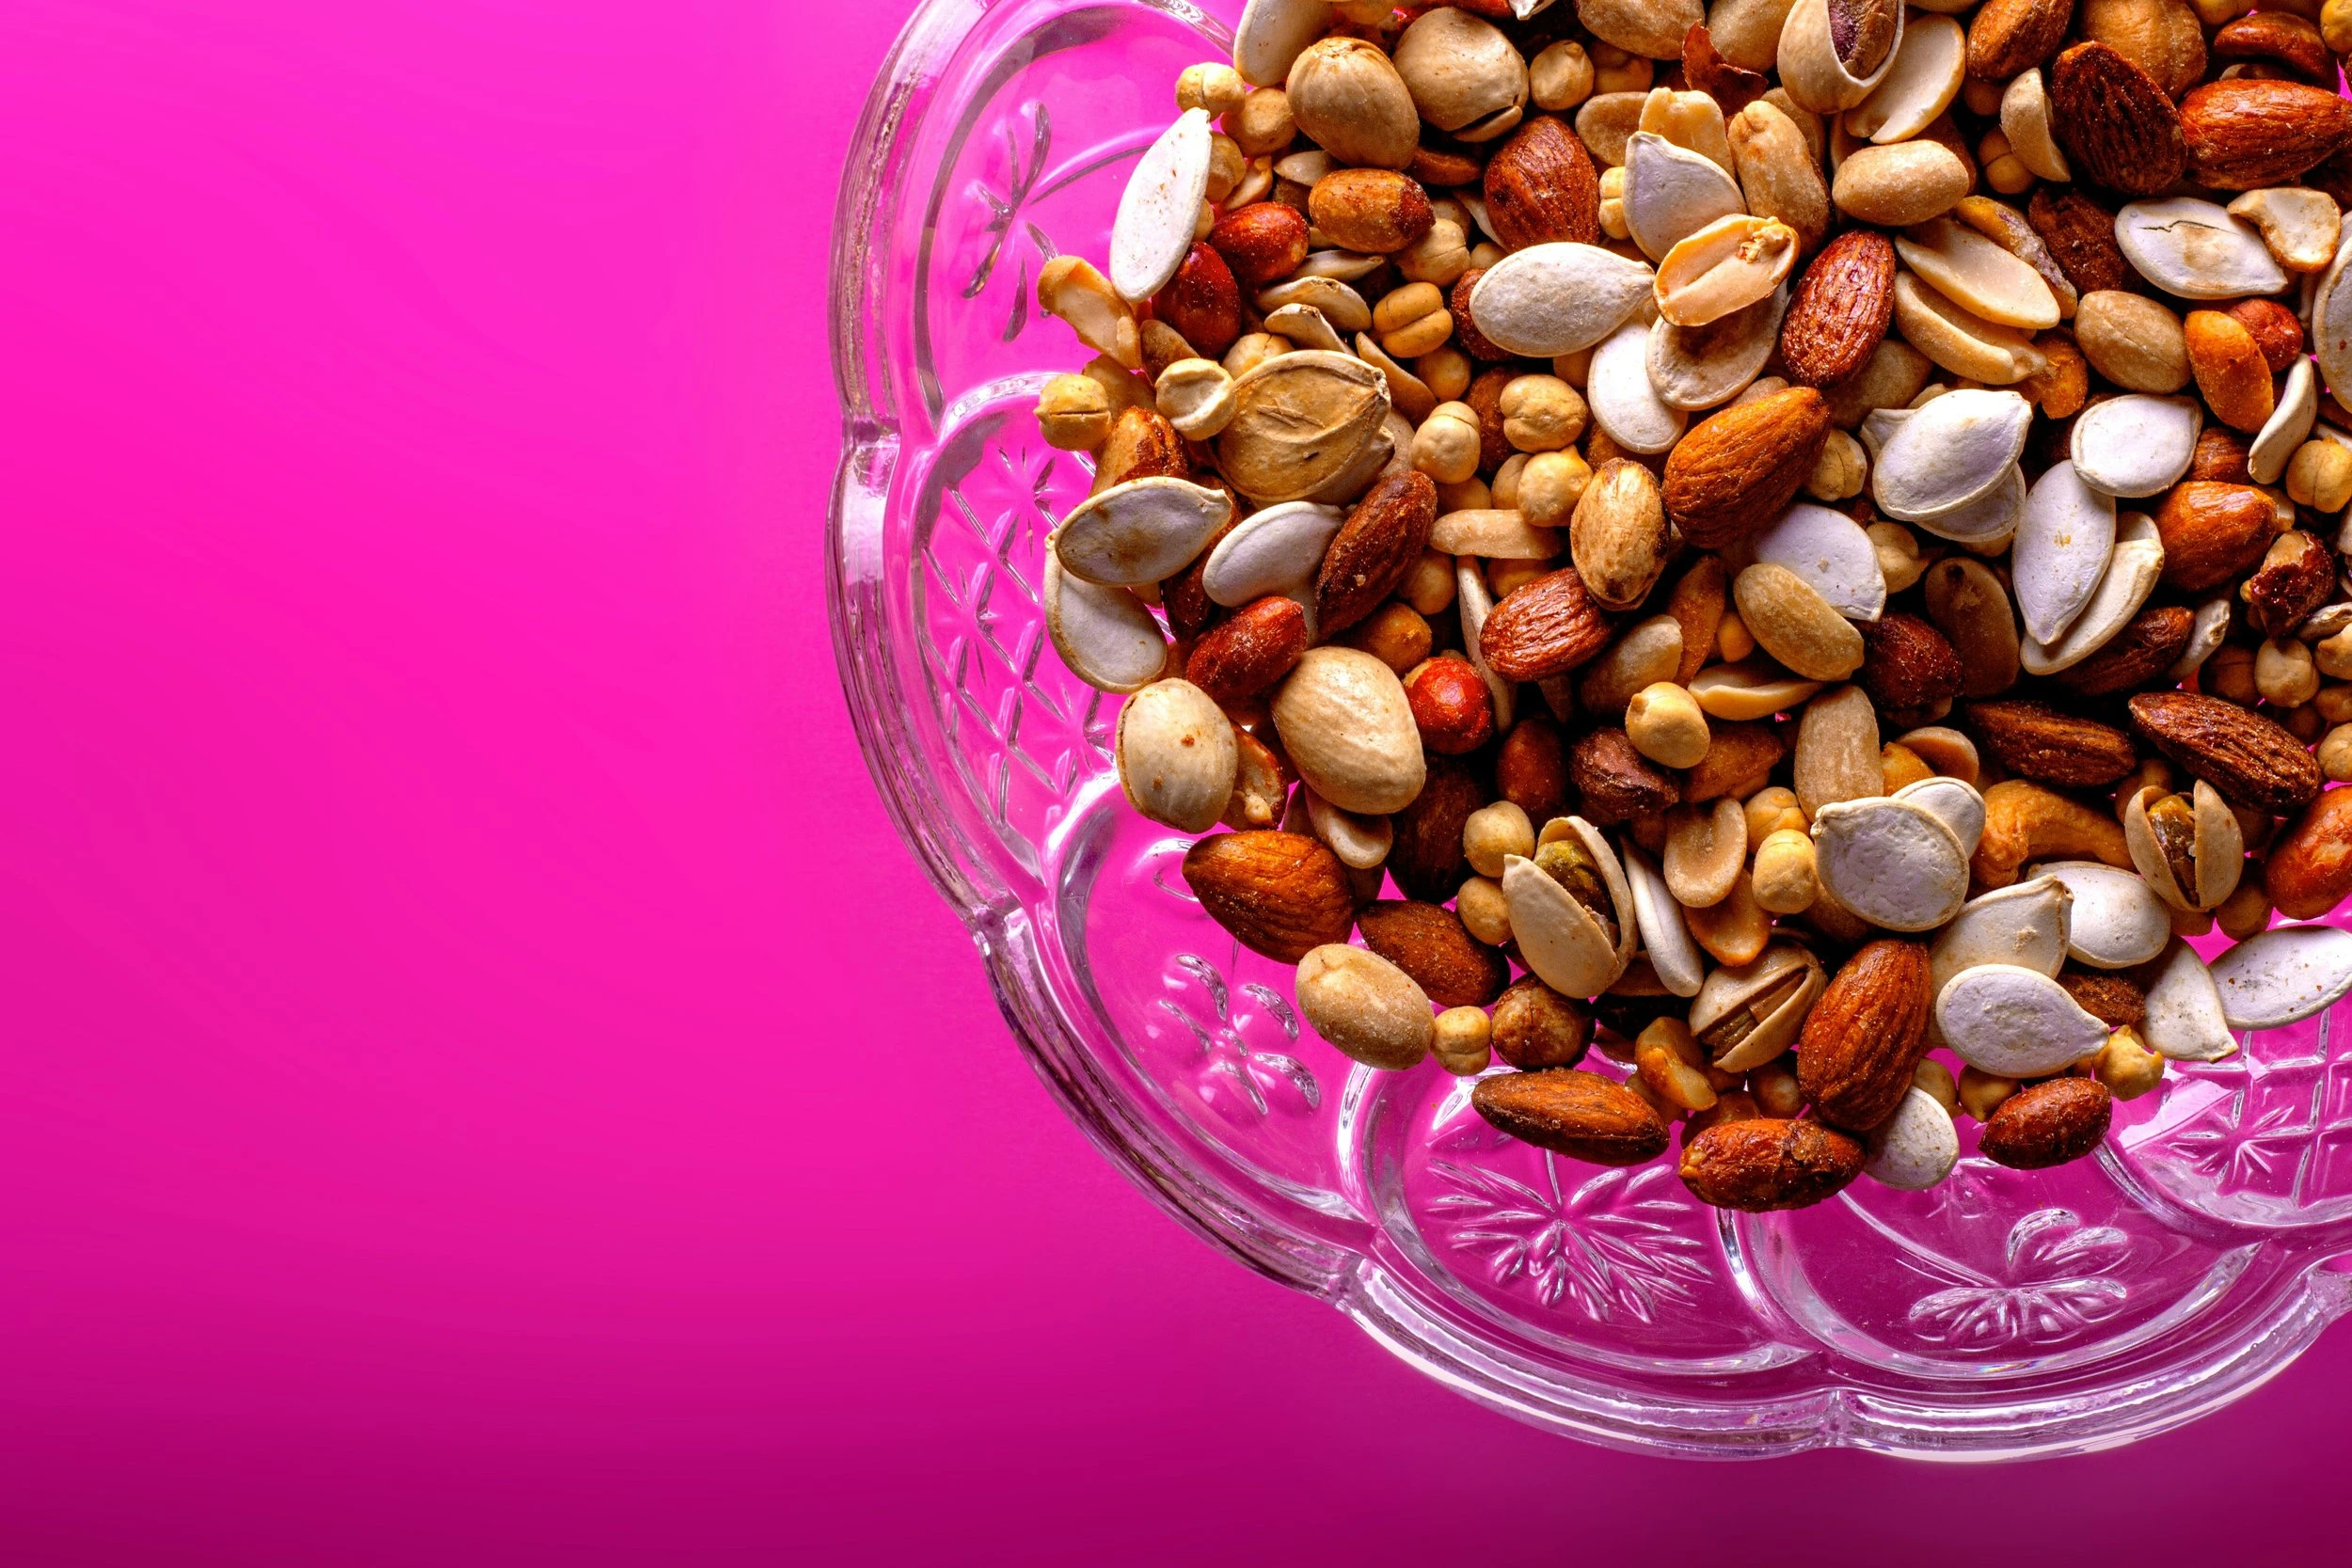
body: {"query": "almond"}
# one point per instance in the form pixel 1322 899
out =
pixel 1281 895
pixel 1569 1111
pixel 1766 1164
pixel 2229 369
pixel 1425 854
pixel 2245 134
pixel 1185 596
pixel 1451 707
pixel 2297 576
pixel 1250 651
pixel 2048 1124
pixel 1368 558
pixel 1532 769
pixel 2161 37
pixel 1431 945
pixel 2108 997
pixel 2274 327
pixel 1541 187
pixel 2221 454
pixel 2253 762
pixel 2309 871
pixel 2119 128
pixel 1202 302
pixel 1907 665
pixel 2037 741
pixel 1867 1035
pixel 1840 309
pixel 2211 532
pixel 1738 470
pixel 2080 235
pixel 1262 243
pixel 1535 1026
pixel 2143 651
pixel 1617 782
pixel 2006 36
pixel 1544 627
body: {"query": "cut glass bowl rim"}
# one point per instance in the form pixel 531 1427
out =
pixel 1211 1197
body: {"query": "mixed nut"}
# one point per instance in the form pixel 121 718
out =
pixel 1810 534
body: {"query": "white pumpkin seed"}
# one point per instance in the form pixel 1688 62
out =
pixel 1953 451
pixel 1665 939
pixel 2332 321
pixel 1829 550
pixel 1672 192
pixel 1140 531
pixel 1278 550
pixel 2132 571
pixel 2014 1022
pixel 1477 602
pixel 2197 250
pixel 1553 299
pixel 1916 1146
pixel 2026 122
pixel 2063 542
pixel 2284 976
pixel 1105 635
pixel 1953 802
pixel 1891 862
pixel 1361 841
pixel 1623 404
pixel 2116 920
pixel 1151 232
pixel 2025 924
pixel 2289 424
pixel 2135 445
pixel 1987 522
pixel 2184 1019
pixel 1272 34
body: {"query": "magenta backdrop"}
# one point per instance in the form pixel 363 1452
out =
pixel 487 1084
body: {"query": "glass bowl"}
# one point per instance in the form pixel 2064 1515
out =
pixel 2003 1313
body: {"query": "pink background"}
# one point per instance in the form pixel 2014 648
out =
pixel 485 1084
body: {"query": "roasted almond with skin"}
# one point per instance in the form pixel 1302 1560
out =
pixel 2274 328
pixel 2211 532
pixel 2119 128
pixel 1425 851
pixel 1281 895
pixel 2309 868
pixel 1202 302
pixel 2035 740
pixel 1866 1036
pixel 2244 134
pixel 1430 944
pixel 1466 334
pixel 1907 665
pixel 1840 309
pixel 1532 769
pixel 2221 454
pixel 1575 1113
pixel 2006 36
pixel 2048 1124
pixel 1262 243
pixel 1736 470
pixel 1243 655
pixel 1765 1164
pixel 2080 235
pixel 2108 997
pixel 1541 187
pixel 1383 536
pixel 2141 652
pixel 2253 762
pixel 1544 627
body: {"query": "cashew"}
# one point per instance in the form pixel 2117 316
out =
pixel 2024 821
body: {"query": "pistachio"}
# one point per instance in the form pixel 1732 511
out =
pixel 1463 74
pixel 2189 848
pixel 1746 1015
pixel 1920 83
pixel 1299 422
pixel 1365 1005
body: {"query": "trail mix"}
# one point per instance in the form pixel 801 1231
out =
pixel 1795 537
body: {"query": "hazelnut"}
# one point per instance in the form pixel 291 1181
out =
pixel 1212 87
pixel 1541 412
